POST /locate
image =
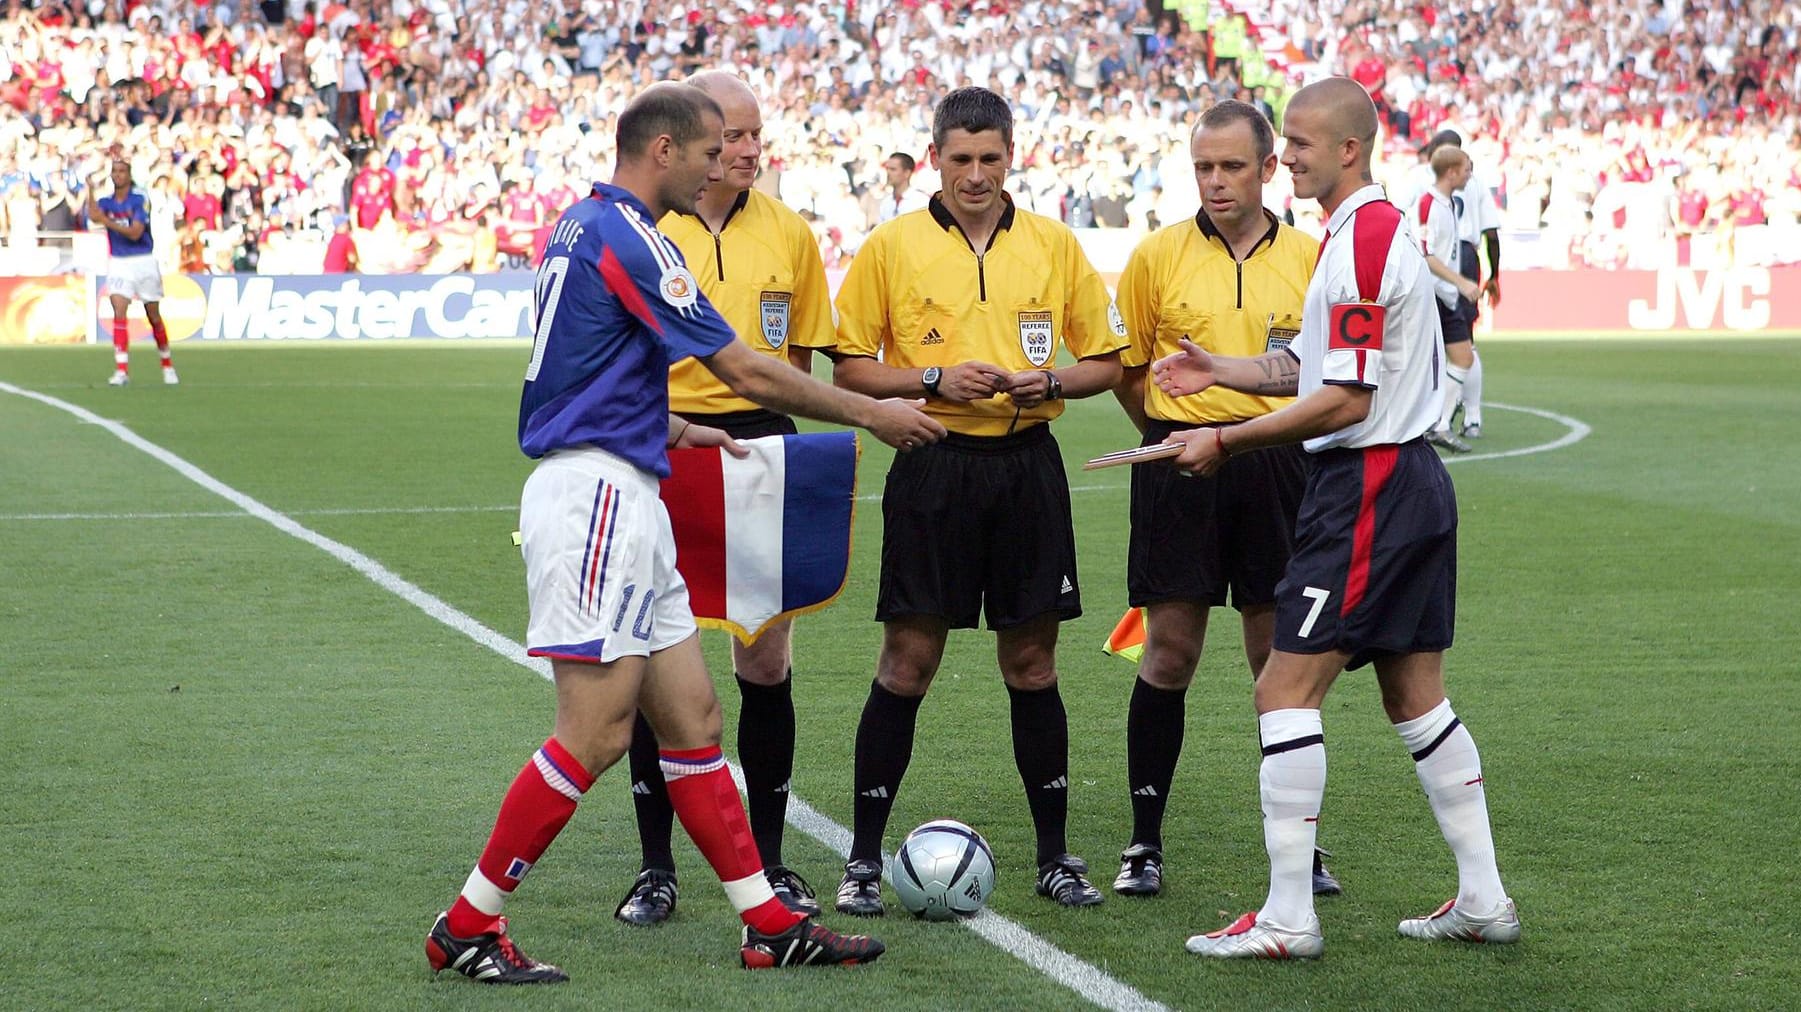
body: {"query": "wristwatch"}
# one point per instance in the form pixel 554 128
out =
pixel 931 377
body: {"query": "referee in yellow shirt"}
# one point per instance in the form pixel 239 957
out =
pixel 757 262
pixel 966 303
pixel 1232 280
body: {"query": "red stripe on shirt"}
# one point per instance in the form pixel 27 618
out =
pixel 1425 219
pixel 619 281
pixel 1370 243
pixel 1378 467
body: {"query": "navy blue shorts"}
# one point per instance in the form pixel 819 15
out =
pixel 1455 325
pixel 1374 571
pixel 1469 267
pixel 1195 538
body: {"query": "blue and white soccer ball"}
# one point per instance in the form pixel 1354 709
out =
pixel 943 870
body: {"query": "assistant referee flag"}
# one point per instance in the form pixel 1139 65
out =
pixel 767 537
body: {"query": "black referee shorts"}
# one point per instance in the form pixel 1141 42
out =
pixel 1193 539
pixel 752 424
pixel 1374 571
pixel 975 524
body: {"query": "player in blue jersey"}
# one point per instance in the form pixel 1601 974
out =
pixel 131 268
pixel 615 306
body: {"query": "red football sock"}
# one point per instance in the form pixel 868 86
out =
pixel 536 808
pixel 160 333
pixel 706 800
pixel 121 339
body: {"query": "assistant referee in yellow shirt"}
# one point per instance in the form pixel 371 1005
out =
pixel 967 302
pixel 759 265
pixel 1232 280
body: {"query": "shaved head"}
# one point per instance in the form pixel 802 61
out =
pixel 743 120
pixel 1330 132
pixel 1345 105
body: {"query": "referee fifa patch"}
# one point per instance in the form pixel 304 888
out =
pixel 1037 335
pixel 1356 326
pixel 774 310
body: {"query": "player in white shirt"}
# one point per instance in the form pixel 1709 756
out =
pixel 1478 216
pixel 1435 217
pixel 1373 577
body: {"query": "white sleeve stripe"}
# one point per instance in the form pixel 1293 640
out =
pixel 658 244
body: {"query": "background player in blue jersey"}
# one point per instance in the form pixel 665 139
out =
pixel 131 268
pixel 615 306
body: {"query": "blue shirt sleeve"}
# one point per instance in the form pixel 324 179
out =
pixel 646 273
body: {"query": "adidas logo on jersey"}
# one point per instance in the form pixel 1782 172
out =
pixel 1059 784
pixel 1068 588
pixel 1147 791
pixel 932 337
pixel 876 792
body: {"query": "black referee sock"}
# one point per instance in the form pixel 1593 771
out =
pixel 884 748
pixel 650 796
pixel 1154 723
pixel 1041 751
pixel 766 749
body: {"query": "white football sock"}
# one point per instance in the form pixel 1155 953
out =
pixel 1444 756
pixel 1291 783
pixel 1472 392
pixel 1454 380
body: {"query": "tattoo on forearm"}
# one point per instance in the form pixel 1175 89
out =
pixel 1281 375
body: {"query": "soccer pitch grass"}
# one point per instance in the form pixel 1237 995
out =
pixel 240 774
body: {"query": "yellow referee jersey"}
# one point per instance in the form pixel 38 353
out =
pixel 919 295
pixel 763 273
pixel 1183 281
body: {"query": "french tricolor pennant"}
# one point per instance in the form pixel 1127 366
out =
pixel 766 537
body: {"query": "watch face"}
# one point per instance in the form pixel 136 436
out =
pixel 932 375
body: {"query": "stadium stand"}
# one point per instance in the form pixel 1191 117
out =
pixel 1615 132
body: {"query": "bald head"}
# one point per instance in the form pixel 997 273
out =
pixel 721 86
pixel 1343 105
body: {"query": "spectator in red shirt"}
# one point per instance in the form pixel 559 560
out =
pixel 202 204
pixel 372 192
pixel 340 252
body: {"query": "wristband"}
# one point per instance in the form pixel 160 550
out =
pixel 680 432
pixel 1219 442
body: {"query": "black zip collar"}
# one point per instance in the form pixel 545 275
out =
pixel 942 215
pixel 1211 231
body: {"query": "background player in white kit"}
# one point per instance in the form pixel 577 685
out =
pixel 1373 577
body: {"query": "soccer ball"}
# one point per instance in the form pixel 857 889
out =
pixel 943 870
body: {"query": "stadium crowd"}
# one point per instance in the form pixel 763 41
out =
pixel 444 136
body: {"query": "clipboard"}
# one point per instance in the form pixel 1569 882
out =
pixel 1136 455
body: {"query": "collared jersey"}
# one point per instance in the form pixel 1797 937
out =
pixel 763 273
pixel 1369 321
pixel 919 295
pixel 1435 224
pixel 133 206
pixel 614 306
pixel 1183 281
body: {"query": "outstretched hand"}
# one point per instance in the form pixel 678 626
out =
pixel 1185 372
pixel 898 422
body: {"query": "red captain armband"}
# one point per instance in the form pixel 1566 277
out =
pixel 1356 326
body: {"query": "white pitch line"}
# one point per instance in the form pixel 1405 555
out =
pixel 1578 431
pixel 1086 980
pixel 240 515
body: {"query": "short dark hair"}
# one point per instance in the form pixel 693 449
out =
pixel 678 110
pixel 905 159
pixel 1439 140
pixel 1224 114
pixel 974 110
